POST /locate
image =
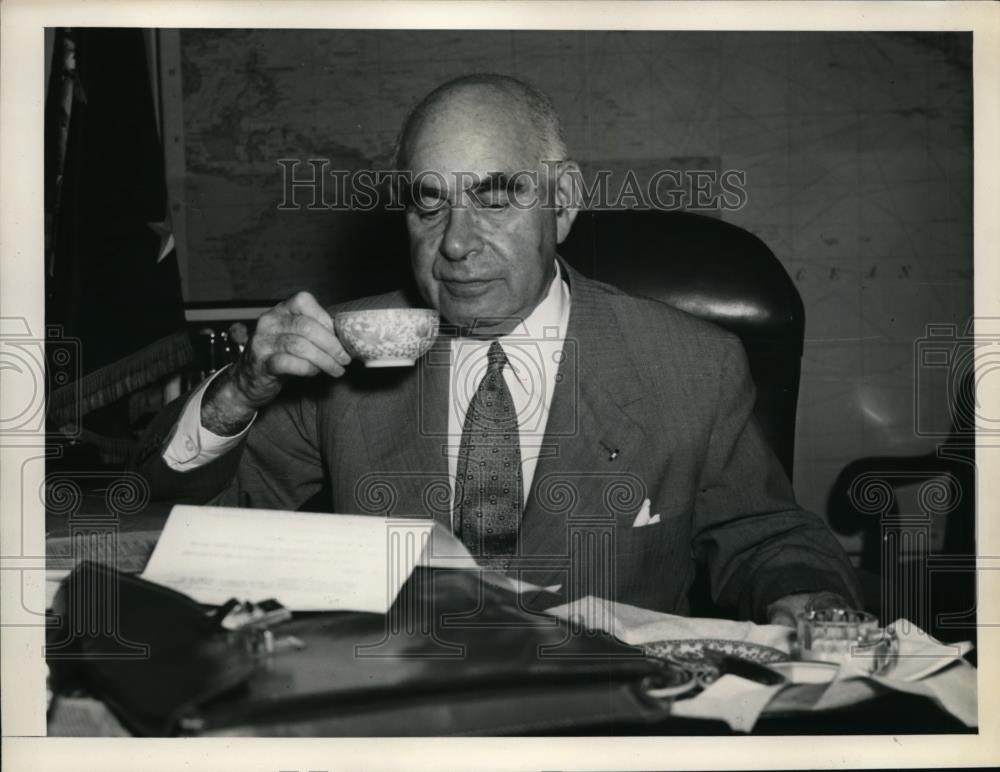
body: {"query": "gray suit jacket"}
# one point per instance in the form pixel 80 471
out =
pixel 671 393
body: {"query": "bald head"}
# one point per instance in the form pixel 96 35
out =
pixel 487 99
pixel 485 209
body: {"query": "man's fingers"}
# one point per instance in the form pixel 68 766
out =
pixel 304 304
pixel 295 338
pixel 283 364
pixel 322 338
pixel 825 600
pixel 308 318
pixel 782 616
pixel 784 610
pixel 303 349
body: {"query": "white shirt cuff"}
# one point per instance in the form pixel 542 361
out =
pixel 192 445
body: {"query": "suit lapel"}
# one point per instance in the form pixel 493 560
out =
pixel 404 418
pixel 591 437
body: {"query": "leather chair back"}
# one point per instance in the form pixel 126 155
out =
pixel 716 271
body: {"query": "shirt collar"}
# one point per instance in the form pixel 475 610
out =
pixel 545 325
pixel 546 321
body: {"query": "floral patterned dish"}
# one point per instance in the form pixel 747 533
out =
pixel 699 656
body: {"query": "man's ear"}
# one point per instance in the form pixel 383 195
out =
pixel 566 193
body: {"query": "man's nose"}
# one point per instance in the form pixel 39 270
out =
pixel 461 238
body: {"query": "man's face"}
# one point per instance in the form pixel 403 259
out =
pixel 481 244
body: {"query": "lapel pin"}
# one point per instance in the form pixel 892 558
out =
pixel 612 452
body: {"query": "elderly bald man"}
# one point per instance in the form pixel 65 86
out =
pixel 623 413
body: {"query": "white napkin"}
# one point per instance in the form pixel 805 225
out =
pixel 737 701
pixel 635 625
pixel 924 666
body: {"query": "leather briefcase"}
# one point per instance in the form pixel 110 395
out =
pixel 148 652
pixel 454 656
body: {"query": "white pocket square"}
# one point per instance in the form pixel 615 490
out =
pixel 643 518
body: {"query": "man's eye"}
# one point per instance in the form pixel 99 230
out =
pixel 495 202
pixel 428 213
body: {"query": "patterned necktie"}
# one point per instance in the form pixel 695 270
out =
pixel 488 486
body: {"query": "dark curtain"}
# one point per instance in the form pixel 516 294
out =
pixel 111 273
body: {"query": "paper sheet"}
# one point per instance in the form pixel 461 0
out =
pixel 307 561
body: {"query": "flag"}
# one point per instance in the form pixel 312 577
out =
pixel 112 280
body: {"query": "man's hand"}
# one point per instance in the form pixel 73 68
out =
pixel 783 610
pixel 295 338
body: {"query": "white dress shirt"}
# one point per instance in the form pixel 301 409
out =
pixel 534 350
pixel 193 445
